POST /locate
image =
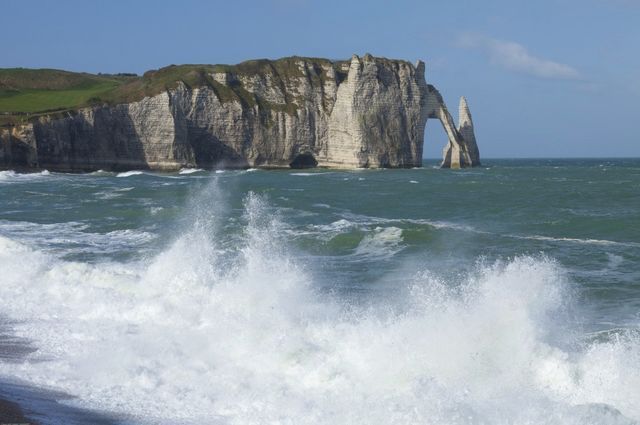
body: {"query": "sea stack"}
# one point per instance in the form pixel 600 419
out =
pixel 465 128
pixel 461 150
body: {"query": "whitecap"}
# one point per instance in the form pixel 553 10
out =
pixel 573 240
pixel 381 242
pixel 338 225
pixel 12 176
pixel 190 170
pixel 438 224
pixel 129 173
pixel 7 174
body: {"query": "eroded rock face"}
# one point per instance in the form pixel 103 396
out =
pixel 461 150
pixel 465 128
pixel 378 119
pixel 366 112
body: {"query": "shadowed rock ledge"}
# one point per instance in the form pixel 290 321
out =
pixel 292 112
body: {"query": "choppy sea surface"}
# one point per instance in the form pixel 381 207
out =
pixel 507 294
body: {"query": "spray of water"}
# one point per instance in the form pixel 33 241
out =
pixel 224 328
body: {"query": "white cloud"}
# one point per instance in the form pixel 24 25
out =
pixel 515 57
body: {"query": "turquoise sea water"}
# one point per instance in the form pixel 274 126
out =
pixel 508 293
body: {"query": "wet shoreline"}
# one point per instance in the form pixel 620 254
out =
pixel 21 403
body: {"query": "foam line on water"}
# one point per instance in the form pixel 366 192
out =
pixel 130 173
pixel 574 240
pixel 190 170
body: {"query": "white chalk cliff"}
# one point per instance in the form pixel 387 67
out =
pixel 294 112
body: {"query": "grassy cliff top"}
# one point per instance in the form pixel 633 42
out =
pixel 28 93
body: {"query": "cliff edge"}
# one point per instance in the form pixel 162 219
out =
pixel 293 112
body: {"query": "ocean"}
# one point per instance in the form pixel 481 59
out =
pixel 505 294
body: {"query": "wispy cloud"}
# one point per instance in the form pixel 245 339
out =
pixel 515 57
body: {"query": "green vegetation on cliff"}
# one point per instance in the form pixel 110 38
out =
pixel 29 93
pixel 25 93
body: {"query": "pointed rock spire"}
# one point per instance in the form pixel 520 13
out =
pixel 464 117
pixel 465 128
pixel 420 69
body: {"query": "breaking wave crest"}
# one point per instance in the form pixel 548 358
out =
pixel 130 173
pixel 206 333
pixel 190 170
pixel 12 176
pixel 382 242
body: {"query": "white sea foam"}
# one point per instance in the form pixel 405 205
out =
pixel 100 173
pixel 11 176
pixel 328 231
pixel 574 240
pixel 72 237
pixel 7 174
pixel 129 173
pixel 192 336
pixel 438 224
pixel 301 174
pixel 381 242
pixel 190 170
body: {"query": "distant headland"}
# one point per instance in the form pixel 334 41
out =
pixel 367 112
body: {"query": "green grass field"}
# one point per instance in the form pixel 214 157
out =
pixel 28 93
pixel 25 92
pixel 40 100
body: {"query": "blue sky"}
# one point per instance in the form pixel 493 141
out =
pixel 547 78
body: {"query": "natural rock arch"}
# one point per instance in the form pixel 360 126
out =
pixel 461 149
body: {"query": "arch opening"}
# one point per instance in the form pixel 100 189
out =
pixel 435 139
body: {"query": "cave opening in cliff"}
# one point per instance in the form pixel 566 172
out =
pixel 304 160
pixel 435 138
